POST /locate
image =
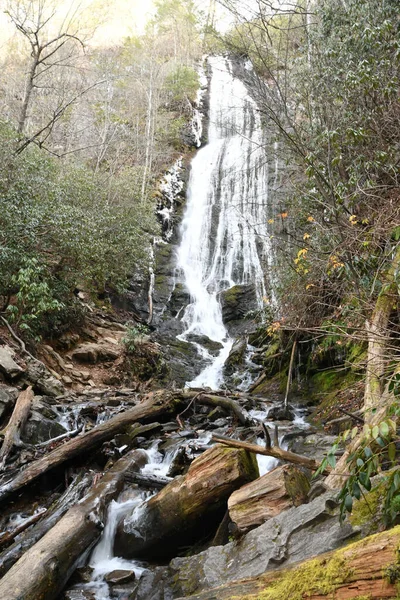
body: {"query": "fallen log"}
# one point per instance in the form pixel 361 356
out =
pixel 8 536
pixel 42 572
pixel 183 508
pixel 279 453
pixel 71 496
pixel 367 569
pixel 215 400
pixel 155 482
pixel 154 406
pixel 16 424
pixel 267 496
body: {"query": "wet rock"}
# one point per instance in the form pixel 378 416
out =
pixel 212 346
pixel 314 445
pixel 8 366
pixel 120 576
pixel 236 356
pixel 281 413
pixel 154 585
pixel 179 463
pixel 295 535
pixel 180 297
pixel 80 594
pixel 183 360
pixel 39 429
pixel 93 353
pixel 237 302
pixel 8 396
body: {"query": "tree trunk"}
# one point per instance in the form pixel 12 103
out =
pixel 71 496
pixel 154 406
pixel 367 569
pixel 184 506
pixel 16 424
pixel 377 331
pixel 291 457
pixel 43 571
pixel 268 496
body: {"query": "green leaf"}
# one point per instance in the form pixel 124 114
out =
pixel 354 432
pixel 392 451
pixel 384 429
pixel 356 490
pixel 365 481
pixel 367 452
pixel 360 462
pixel 331 459
pixel 348 503
pixel 375 432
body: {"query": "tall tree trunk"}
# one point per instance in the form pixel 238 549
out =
pixel 378 335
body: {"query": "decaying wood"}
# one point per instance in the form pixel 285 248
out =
pixel 41 573
pixel 71 496
pixel 152 407
pixel 185 504
pixel 267 496
pixel 279 453
pixel 16 424
pixel 367 569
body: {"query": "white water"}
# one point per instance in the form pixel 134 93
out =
pixel 102 559
pixel 224 230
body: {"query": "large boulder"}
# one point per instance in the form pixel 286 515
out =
pixel 294 535
pixel 237 302
pixel 94 353
pixel 42 380
pixel 8 365
pixel 8 396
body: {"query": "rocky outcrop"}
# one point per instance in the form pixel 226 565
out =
pixel 8 396
pixel 237 302
pixel 93 353
pixel 8 365
pixel 42 380
pixel 296 534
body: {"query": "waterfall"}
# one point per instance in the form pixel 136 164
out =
pixel 224 230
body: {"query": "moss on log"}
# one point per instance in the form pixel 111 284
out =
pixel 367 569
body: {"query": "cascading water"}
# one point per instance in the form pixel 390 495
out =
pixel 224 231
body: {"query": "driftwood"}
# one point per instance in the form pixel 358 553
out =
pixel 279 453
pixel 16 424
pixel 363 570
pixel 267 496
pixel 41 573
pixel 151 408
pixel 184 506
pixel 71 496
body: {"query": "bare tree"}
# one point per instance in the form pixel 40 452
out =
pixel 55 80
